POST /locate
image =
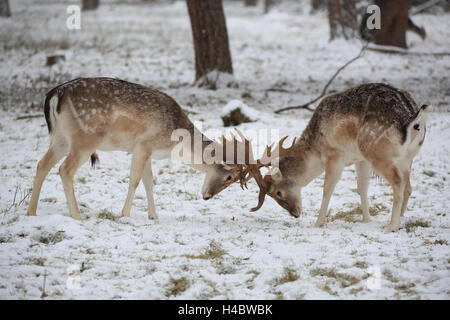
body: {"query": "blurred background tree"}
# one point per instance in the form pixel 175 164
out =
pixel 269 4
pixel 90 4
pixel 4 8
pixel 342 17
pixel 212 52
pixel 250 3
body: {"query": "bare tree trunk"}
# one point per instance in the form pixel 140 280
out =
pixel 250 3
pixel 90 4
pixel 269 3
pixel 342 17
pixel 210 35
pixel 4 8
pixel 318 4
pixel 394 23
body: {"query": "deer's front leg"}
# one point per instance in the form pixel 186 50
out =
pixel 363 177
pixel 147 178
pixel 333 171
pixel 140 156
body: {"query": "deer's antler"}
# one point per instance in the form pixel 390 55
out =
pixel 269 155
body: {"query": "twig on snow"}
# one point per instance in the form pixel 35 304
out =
pixel 31 116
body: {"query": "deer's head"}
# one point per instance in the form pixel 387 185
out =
pixel 231 167
pixel 278 183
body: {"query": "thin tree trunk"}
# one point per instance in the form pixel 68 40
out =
pixel 250 3
pixel 318 4
pixel 4 8
pixel 342 18
pixel 209 30
pixel 268 4
pixel 90 4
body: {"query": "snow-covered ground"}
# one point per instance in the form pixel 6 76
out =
pixel 215 249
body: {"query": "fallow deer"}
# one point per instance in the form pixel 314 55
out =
pixel 374 126
pixel 89 114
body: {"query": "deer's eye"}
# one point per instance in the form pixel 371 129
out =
pixel 228 178
pixel 279 193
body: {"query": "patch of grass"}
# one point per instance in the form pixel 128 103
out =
pixel 214 251
pixel 81 180
pixel 4 238
pixel 361 264
pixel 429 173
pixel 255 274
pixel 405 286
pixel 52 238
pixel 389 276
pixel 234 118
pixel 345 280
pixel 289 275
pixel 411 225
pixel 328 289
pixel 441 242
pixel 225 269
pixel 356 290
pixel 211 292
pixel 107 215
pixel 354 215
pixel 177 286
pixel 37 261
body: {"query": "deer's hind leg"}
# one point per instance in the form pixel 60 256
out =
pixel 58 148
pixel 408 189
pixel 67 172
pixel 363 176
pixel 398 180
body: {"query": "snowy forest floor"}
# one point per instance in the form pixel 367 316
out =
pixel 215 249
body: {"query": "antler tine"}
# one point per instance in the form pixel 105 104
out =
pixel 285 152
pixel 241 135
pixel 255 173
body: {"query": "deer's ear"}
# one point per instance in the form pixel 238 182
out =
pixel 275 172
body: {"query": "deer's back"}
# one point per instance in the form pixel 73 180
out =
pixel 376 107
pixel 361 120
pixel 95 100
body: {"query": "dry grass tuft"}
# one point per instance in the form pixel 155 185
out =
pixel 345 280
pixel 108 215
pixel 411 225
pixel 214 251
pixel 355 214
pixel 289 275
pixel 177 286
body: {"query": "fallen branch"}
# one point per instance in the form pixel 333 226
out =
pixel 324 91
pixel 424 6
pixel 407 53
pixel 31 116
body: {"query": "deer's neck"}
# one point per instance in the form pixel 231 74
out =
pixel 303 168
pixel 307 165
pixel 198 152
